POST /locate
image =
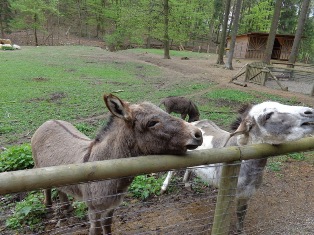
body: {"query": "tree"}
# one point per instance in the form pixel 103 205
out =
pixel 215 21
pixel 234 34
pixel 5 16
pixel 166 29
pixel 288 16
pixel 272 32
pixel 222 44
pixel 299 32
pixel 257 16
pixel 32 14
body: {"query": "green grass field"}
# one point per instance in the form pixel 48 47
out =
pixel 41 83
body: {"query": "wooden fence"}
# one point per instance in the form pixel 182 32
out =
pixel 26 180
pixel 260 72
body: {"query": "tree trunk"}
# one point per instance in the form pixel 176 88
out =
pixel 2 27
pixel 35 30
pixel 221 51
pixel 234 34
pixel 299 32
pixel 272 32
pixel 232 19
pixel 79 19
pixel 4 16
pixel 166 28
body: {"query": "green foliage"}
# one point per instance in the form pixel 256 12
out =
pixel 28 213
pixel 274 166
pixel 144 186
pixel 16 158
pixel 32 13
pixel 85 128
pixel 199 185
pixel 232 95
pixel 7 48
pixel 288 17
pixel 258 18
pixel 297 156
pixel 80 209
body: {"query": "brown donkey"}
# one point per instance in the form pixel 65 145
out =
pixel 133 130
pixel 182 105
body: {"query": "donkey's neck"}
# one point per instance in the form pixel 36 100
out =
pixel 115 141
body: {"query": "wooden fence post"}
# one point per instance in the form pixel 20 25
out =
pixel 225 199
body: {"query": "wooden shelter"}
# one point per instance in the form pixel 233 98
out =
pixel 253 45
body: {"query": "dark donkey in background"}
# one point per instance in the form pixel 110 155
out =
pixel 133 130
pixel 181 105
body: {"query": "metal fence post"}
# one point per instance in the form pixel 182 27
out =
pixel 225 198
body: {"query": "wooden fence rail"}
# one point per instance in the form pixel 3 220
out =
pixel 26 180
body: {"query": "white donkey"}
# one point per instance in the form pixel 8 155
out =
pixel 268 122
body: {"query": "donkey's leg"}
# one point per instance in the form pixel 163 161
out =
pixel 48 200
pixel 183 115
pixel 95 222
pixel 106 221
pixel 166 182
pixel 241 212
pixel 65 203
pixel 186 178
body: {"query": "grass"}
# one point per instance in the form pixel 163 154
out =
pixel 173 53
pixel 41 83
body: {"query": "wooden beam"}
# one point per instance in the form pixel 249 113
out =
pixel 48 177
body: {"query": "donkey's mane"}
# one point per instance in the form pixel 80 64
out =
pixel 195 107
pixel 99 137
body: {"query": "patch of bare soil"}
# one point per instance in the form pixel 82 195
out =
pixel 55 97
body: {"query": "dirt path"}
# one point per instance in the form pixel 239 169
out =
pixel 202 69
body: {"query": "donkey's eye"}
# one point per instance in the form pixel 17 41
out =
pixel 268 115
pixel 152 123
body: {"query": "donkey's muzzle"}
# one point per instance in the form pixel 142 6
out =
pixel 196 140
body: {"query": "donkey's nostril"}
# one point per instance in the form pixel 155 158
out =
pixel 308 112
pixel 198 135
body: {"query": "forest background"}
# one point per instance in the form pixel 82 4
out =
pixel 141 23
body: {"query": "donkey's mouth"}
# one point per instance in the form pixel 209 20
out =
pixel 191 146
pixel 307 123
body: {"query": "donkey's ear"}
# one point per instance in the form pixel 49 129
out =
pixel 118 107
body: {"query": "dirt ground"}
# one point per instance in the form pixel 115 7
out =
pixel 283 205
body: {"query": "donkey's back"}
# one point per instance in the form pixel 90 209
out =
pixel 56 140
pixel 181 105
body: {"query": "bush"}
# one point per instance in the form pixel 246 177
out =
pixel 7 48
pixel 28 212
pixel 144 186
pixel 80 209
pixel 16 158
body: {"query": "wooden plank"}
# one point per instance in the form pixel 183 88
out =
pixel 292 69
pixel 47 177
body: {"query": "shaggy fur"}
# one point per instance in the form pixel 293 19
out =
pixel 133 130
pixel 181 105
